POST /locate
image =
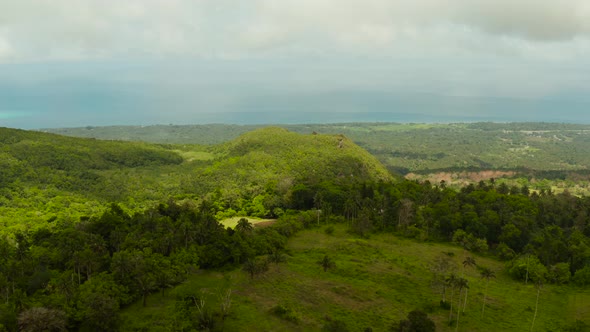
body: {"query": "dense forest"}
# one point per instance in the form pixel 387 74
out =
pixel 540 155
pixel 91 227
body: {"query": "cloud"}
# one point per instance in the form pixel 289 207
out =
pixel 33 30
pixel 528 19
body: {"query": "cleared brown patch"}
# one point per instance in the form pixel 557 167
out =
pixel 460 177
pixel 264 223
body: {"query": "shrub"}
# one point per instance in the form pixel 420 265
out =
pixel 577 326
pixel 559 273
pixel 504 251
pixel 335 326
pixel 518 268
pixel 417 321
pixel 285 313
pixel 412 232
pixel 329 230
pixel 582 276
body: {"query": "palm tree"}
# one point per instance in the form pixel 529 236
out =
pixel 461 283
pixel 244 226
pixel 451 281
pixel 469 261
pixel 488 274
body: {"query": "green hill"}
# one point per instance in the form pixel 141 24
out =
pixel 275 154
pixel 47 177
pixel 66 162
pixel 52 177
pixel 266 171
pixel 541 155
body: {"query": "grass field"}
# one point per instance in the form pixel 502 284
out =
pixel 232 222
pixel 375 283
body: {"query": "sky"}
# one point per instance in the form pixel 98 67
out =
pixel 67 63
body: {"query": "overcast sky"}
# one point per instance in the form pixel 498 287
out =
pixel 100 62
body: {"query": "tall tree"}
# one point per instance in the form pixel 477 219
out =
pixel 440 267
pixel 469 261
pixel 462 283
pixel 487 274
pixel 244 226
pixel 451 281
pixel 405 213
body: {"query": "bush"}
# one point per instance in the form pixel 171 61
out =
pixel 329 230
pixel 285 313
pixel 412 232
pixel 504 251
pixel 518 269
pixel 445 305
pixel 470 242
pixel 335 326
pixel 582 276
pixel 417 321
pixel 559 273
pixel 479 245
pixel 577 326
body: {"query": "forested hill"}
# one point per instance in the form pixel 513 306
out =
pixel 27 156
pixel 51 177
pixel 455 152
pixel 275 154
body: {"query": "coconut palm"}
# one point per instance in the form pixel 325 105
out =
pixel 488 274
pixel 469 261
pixel 462 283
pixel 451 282
pixel 244 226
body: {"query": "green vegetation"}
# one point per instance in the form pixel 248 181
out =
pixel 233 222
pixel 349 246
pixel 51 178
pixel 376 283
pixel 547 156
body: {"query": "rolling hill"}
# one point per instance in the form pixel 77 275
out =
pixel 459 153
pixel 52 177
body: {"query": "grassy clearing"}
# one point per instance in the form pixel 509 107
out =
pixel 375 283
pixel 232 222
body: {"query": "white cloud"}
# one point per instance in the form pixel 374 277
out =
pixel 63 29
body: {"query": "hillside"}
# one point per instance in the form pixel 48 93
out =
pixel 461 153
pixel 361 249
pixel 53 177
pixel 375 283
pixel 272 155
pixel 266 171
